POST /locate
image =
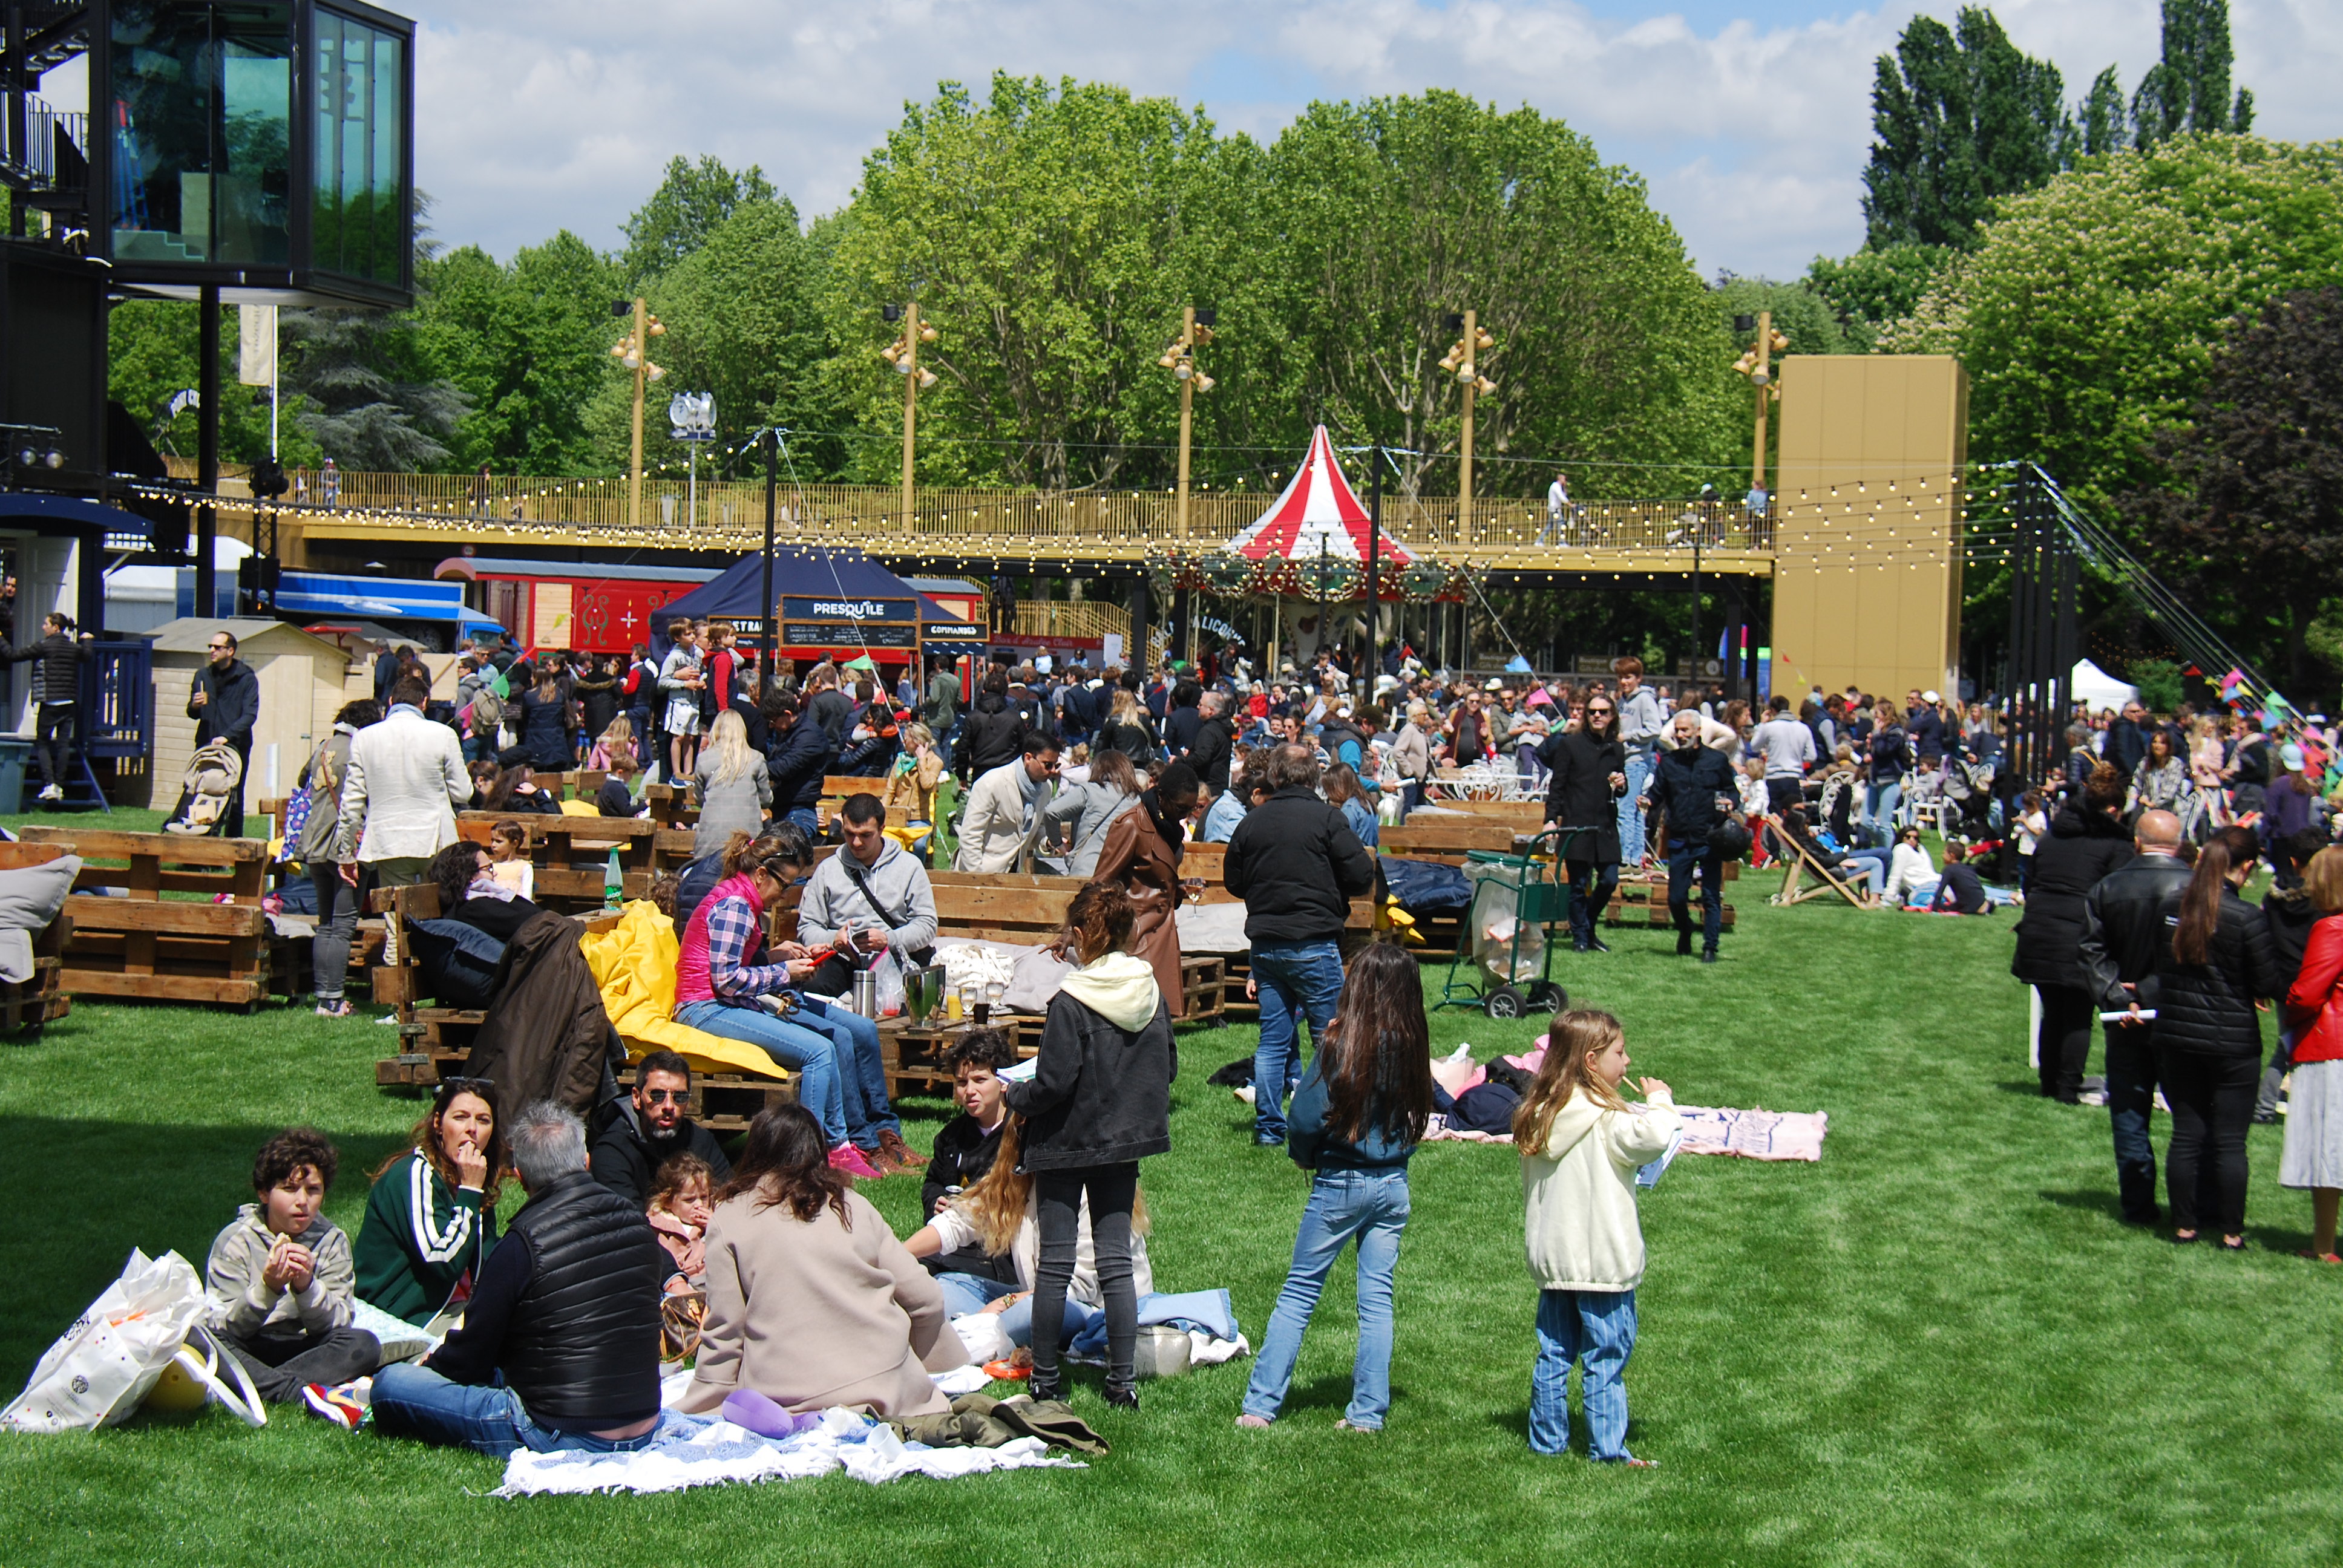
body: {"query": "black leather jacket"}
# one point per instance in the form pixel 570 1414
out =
pixel 2124 934
pixel 2208 1009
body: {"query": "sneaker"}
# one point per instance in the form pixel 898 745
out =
pixel 1267 1141
pixel 846 1157
pixel 1244 1092
pixel 339 1404
pixel 2091 1097
pixel 390 1017
pixel 1251 1422
pixel 338 1008
pixel 52 792
pixel 905 1158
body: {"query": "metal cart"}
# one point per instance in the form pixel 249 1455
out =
pixel 1519 902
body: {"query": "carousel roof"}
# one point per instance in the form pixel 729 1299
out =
pixel 1317 515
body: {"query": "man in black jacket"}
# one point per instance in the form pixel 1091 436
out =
pixel 56 689
pixel 2125 933
pixel 798 754
pixel 565 1309
pixel 629 1152
pixel 2127 740
pixel 1297 865
pixel 994 732
pixel 1215 742
pixel 225 702
pixel 1692 788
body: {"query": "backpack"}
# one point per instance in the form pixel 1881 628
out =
pixel 487 709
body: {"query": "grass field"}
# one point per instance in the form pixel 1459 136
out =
pixel 1935 1346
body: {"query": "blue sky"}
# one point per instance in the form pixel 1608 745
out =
pixel 1750 124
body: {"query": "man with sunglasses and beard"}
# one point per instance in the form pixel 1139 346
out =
pixel 1586 768
pixel 651 1129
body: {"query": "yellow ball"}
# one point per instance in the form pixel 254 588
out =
pixel 178 1393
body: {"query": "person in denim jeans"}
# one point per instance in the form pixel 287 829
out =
pixel 1357 1118
pixel 559 1345
pixel 1581 1144
pixel 1883 789
pixel 1297 864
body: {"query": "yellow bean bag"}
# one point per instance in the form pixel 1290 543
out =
pixel 634 965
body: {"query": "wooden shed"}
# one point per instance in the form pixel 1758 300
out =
pixel 301 690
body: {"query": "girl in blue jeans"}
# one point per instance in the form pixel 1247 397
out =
pixel 1580 1143
pixel 1361 1108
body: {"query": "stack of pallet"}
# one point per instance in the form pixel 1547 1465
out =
pixel 211 949
pixel 571 855
pixel 26 1005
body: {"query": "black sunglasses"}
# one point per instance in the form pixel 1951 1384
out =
pixel 667 1096
pixel 451 1086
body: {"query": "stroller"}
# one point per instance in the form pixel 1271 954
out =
pixel 214 774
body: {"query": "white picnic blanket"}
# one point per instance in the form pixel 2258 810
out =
pixel 700 1451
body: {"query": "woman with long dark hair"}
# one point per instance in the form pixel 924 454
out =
pixel 2209 1038
pixel 431 1218
pixel 1098 1102
pixel 1587 765
pixel 2086 840
pixel 2160 782
pixel 1358 1116
pixel 811 1302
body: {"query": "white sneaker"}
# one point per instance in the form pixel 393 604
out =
pixel 1244 1092
pixel 52 792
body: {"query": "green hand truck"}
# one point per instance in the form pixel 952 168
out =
pixel 1519 901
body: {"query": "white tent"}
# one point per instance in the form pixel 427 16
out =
pixel 2096 690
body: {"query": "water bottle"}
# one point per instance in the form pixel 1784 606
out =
pixel 614 884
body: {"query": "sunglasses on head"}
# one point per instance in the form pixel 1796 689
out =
pixel 451 1086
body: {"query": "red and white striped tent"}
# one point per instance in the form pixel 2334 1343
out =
pixel 1319 514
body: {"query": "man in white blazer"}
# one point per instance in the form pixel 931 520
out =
pixel 399 797
pixel 1003 820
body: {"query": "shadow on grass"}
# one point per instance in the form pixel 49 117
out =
pixel 157 1187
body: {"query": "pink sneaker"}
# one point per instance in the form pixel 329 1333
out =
pixel 846 1157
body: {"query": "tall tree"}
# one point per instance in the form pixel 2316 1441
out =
pixel 691 203
pixel 2250 502
pixel 1961 117
pixel 2189 88
pixel 1874 287
pixel 2089 314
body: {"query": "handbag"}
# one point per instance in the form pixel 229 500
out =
pixel 103 1367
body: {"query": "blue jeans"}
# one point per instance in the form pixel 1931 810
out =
pixel 803 815
pixel 1873 863
pixel 1631 819
pixel 1597 1328
pixel 2131 1097
pixel 862 1075
pixel 1682 858
pixel 809 1050
pixel 1879 802
pixel 966 1294
pixel 412 1400
pixel 1370 1205
pixel 1296 980
pixel 481 745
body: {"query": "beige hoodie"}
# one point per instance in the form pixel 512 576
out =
pixel 1581 1228
pixel 1118 988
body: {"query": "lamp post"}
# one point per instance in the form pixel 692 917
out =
pixel 691 419
pixel 1462 362
pixel 1180 358
pixel 633 351
pixel 1758 364
pixel 903 354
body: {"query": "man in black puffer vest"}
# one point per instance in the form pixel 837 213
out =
pixel 993 734
pixel 567 1309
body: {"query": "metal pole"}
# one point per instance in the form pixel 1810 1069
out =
pixel 772 663
pixel 1696 610
pixel 1764 381
pixel 1187 404
pixel 1323 641
pixel 635 458
pixel 911 402
pixel 207 392
pixel 1374 560
pixel 1464 474
pixel 691 492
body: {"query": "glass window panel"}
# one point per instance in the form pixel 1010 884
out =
pixel 200 109
pixel 360 222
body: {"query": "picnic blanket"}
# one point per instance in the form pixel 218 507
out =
pixel 702 1451
pixel 1756 1134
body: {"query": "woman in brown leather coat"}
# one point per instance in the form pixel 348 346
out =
pixel 1142 857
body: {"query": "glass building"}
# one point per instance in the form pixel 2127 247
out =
pixel 256 144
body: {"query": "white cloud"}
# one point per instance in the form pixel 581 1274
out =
pixel 538 115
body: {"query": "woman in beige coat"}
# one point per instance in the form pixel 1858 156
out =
pixel 812 1301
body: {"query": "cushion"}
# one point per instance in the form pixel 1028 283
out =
pixel 460 963
pixel 31 896
pixel 1034 981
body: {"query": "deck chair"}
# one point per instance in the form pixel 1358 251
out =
pixel 1798 863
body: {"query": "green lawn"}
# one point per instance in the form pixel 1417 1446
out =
pixel 1937 1345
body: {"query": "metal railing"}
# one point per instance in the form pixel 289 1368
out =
pixel 1101 526
pixel 38 162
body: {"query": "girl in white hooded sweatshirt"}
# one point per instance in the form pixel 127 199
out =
pixel 1581 1142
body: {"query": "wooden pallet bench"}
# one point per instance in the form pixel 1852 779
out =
pixel 147 948
pixel 28 1005
pixel 1646 904
pixel 571 855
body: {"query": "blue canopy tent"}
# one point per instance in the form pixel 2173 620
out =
pixel 835 602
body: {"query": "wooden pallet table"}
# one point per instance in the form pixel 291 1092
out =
pixel 571 855
pixel 147 947
pixel 913 1054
